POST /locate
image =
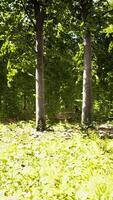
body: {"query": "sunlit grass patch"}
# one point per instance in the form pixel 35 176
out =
pixel 54 166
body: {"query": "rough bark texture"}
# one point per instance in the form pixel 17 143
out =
pixel 87 85
pixel 40 111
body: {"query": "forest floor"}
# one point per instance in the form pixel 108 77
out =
pixel 63 164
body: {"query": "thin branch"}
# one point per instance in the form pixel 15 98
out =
pixel 108 11
pixel 31 47
pixel 26 11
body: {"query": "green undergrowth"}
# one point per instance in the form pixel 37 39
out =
pixel 55 165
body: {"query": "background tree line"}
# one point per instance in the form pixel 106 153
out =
pixel 69 47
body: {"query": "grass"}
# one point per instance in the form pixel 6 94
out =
pixel 57 165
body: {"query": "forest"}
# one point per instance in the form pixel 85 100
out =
pixel 68 55
pixel 56 99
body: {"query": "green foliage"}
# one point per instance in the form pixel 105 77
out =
pixel 63 57
pixel 109 29
pixel 56 165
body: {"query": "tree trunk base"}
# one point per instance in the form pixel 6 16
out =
pixel 41 125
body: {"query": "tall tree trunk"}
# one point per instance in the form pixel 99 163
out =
pixel 40 110
pixel 87 82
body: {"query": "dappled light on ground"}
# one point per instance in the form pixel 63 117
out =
pixel 55 165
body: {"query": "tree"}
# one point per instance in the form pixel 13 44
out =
pixel 87 15
pixel 40 107
pixel 87 85
pixel 87 82
pixel 81 14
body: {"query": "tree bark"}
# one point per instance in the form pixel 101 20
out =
pixel 40 110
pixel 87 82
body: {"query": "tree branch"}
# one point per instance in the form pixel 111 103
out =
pixel 26 11
pixel 31 47
pixel 108 11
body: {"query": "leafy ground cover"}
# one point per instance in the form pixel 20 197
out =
pixel 57 165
